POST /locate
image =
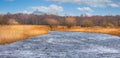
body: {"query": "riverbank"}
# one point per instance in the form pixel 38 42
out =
pixel 13 33
pixel 108 30
pixel 64 45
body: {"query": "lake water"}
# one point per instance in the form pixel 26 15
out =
pixel 64 45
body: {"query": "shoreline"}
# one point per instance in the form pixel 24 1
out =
pixel 13 33
pixel 110 30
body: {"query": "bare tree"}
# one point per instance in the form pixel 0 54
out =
pixel 1 18
pixel 87 23
pixel 70 21
pixel 3 21
pixel 12 22
pixel 51 22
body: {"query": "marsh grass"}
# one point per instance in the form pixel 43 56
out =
pixel 107 30
pixel 13 33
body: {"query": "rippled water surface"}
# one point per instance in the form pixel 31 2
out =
pixel 64 45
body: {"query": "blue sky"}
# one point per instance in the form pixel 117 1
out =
pixel 62 7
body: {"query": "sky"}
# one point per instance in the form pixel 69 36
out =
pixel 62 7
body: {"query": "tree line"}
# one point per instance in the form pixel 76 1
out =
pixel 54 20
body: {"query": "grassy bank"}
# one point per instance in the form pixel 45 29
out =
pixel 107 30
pixel 12 33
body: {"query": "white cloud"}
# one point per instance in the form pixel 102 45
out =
pixel 85 9
pixel 50 9
pixel 24 11
pixel 92 3
pixel 27 12
pixel 114 5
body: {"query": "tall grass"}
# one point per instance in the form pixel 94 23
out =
pixel 108 30
pixel 12 33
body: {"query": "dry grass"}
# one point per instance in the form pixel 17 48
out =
pixel 108 30
pixel 12 33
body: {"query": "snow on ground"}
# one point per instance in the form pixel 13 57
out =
pixel 64 45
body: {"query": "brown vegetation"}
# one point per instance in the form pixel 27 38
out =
pixel 70 21
pixel 12 33
pixel 87 23
pixel 14 27
pixel 52 23
pixel 12 22
pixel 84 21
pixel 108 30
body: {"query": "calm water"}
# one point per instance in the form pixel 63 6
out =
pixel 64 45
